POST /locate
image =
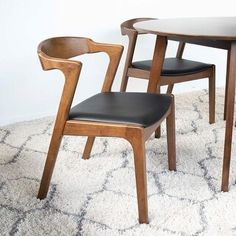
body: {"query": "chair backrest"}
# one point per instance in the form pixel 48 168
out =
pixel 55 53
pixel 127 28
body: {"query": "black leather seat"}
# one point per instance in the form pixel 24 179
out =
pixel 174 66
pixel 118 107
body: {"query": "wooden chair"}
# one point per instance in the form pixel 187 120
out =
pixel 175 70
pixel 133 116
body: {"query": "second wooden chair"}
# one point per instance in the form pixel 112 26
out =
pixel 175 69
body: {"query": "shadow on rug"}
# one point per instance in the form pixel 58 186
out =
pixel 98 196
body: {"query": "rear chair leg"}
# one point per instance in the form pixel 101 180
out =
pixel 170 127
pixel 88 147
pixel 212 97
pixel 170 88
pixel 158 130
pixel 124 83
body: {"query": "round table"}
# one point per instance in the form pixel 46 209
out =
pixel 218 32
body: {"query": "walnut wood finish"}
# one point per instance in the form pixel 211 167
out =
pixel 229 117
pixel 54 53
pixel 218 32
pixel 127 28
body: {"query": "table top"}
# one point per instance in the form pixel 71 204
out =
pixel 214 28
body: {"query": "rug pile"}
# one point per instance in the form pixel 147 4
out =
pixel 98 197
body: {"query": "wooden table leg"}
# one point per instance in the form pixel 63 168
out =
pixel 157 62
pixel 155 73
pixel 226 82
pixel 229 117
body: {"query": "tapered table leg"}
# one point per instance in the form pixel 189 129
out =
pixel 229 117
pixel 157 63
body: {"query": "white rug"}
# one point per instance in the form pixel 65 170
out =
pixel 98 197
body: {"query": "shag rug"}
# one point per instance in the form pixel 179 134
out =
pixel 98 196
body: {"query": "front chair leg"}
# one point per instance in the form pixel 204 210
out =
pixel 49 165
pixel 141 179
pixel 88 147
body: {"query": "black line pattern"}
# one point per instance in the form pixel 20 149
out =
pixel 98 196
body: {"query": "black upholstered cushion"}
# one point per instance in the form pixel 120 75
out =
pixel 132 108
pixel 174 66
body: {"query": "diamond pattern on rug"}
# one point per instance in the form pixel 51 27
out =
pixel 98 196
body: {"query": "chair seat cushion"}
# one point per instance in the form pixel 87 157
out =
pixel 174 66
pixel 116 107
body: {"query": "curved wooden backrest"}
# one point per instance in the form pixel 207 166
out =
pixel 127 27
pixel 64 47
pixel 54 53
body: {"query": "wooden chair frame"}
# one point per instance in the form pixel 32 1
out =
pixel 54 54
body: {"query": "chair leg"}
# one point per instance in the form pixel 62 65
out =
pixel 88 147
pixel 212 97
pixel 170 127
pixel 168 91
pixel 141 179
pixel 170 88
pixel 124 83
pixel 158 130
pixel 49 165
